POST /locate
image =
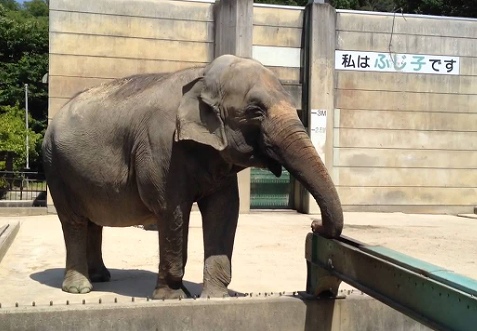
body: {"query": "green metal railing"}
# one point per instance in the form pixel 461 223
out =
pixel 432 295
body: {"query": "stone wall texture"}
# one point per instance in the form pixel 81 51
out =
pixel 406 141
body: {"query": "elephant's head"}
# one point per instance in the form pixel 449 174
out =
pixel 240 108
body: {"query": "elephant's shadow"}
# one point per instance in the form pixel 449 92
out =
pixel 128 282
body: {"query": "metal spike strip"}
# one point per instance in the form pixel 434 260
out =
pixel 195 297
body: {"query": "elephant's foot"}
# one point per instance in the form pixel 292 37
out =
pixel 163 293
pixel 99 274
pixel 75 282
pixel 217 276
pixel 214 292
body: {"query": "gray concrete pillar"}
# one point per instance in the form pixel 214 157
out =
pixel 233 35
pixel 319 51
pixel 233 27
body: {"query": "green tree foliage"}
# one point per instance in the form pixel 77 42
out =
pixel 36 8
pixel 13 135
pixel 377 5
pixel 24 60
pixel 345 4
pixel 10 4
pixel 463 8
pixel 284 2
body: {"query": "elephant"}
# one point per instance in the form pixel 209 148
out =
pixel 143 149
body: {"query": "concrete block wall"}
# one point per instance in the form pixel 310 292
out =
pixel 406 141
pixel 95 41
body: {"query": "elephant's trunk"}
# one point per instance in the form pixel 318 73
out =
pixel 292 146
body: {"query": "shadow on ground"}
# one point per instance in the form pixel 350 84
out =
pixel 128 282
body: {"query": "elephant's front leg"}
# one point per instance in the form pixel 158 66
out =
pixel 173 233
pixel 219 221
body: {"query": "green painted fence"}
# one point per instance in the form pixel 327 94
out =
pixel 268 191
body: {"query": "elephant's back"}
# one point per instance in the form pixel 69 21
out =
pixel 104 112
pixel 125 101
pixel 108 119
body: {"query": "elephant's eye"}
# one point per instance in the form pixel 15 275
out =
pixel 254 113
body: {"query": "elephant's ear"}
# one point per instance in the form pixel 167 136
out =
pixel 198 117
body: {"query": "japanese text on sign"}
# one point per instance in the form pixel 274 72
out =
pixel 392 62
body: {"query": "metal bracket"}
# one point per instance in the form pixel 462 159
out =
pixel 319 282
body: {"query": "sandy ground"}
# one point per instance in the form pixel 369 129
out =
pixel 268 254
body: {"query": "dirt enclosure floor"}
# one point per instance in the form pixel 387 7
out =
pixel 268 253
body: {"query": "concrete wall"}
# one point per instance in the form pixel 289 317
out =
pixel 277 43
pixel 95 41
pixel 406 141
pixel 356 312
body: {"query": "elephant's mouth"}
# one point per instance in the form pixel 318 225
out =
pixel 265 162
pixel 274 166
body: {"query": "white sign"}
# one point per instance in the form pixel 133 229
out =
pixel 393 62
pixel 277 56
pixel 318 130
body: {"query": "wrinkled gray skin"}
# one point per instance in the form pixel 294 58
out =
pixel 142 149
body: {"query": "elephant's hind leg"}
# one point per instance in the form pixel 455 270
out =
pixel 75 232
pixel 96 269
